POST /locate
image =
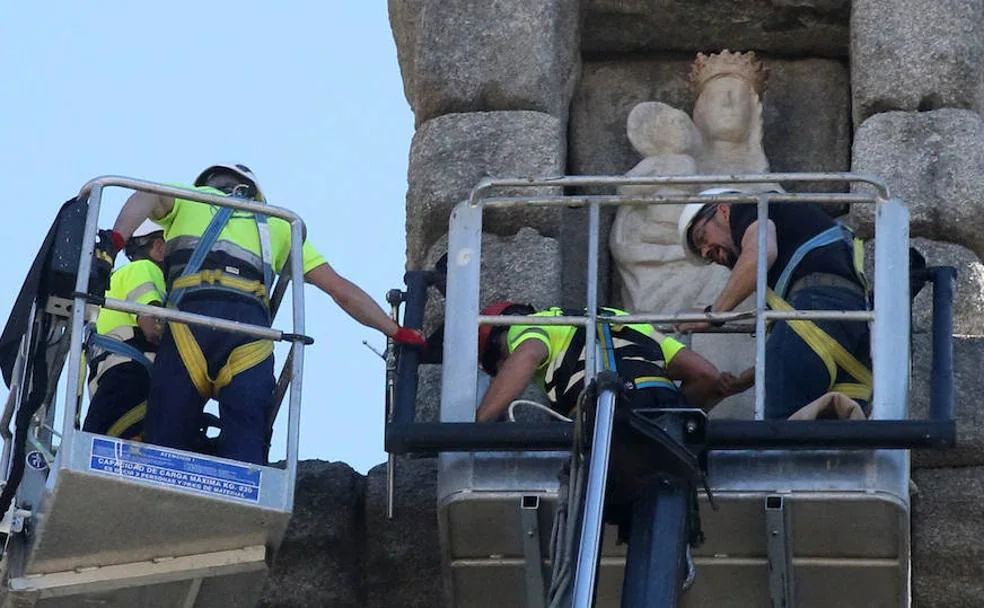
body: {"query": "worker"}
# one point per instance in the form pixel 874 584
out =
pixel 814 263
pixel 648 362
pixel 120 353
pixel 230 277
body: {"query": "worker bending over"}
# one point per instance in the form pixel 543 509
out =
pixel 813 264
pixel 647 362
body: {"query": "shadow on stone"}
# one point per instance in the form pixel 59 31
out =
pixel 402 555
pixel 321 561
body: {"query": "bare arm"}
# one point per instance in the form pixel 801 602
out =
pixel 701 382
pixel 140 206
pixel 741 283
pixel 351 298
pixel 513 377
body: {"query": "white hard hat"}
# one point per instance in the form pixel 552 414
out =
pixel 138 240
pixel 147 227
pixel 236 168
pixel 689 215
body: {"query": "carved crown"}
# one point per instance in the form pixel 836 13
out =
pixel 726 63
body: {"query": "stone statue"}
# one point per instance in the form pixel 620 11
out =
pixel 728 114
pixel 725 136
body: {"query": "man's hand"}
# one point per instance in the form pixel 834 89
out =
pixel 732 384
pixel 687 327
pixel 692 326
pixel 728 384
pixel 409 337
pixel 108 244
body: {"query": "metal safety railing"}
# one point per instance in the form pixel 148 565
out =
pixel 888 427
pixel 890 318
pixel 292 373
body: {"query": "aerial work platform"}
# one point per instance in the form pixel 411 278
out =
pixel 810 513
pixel 104 521
pixel 848 543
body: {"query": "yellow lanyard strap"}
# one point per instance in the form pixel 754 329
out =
pixel 830 351
pixel 131 417
pixel 241 358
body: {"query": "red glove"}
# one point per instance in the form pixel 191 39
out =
pixel 118 241
pixel 410 337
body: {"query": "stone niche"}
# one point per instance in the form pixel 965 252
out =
pixel 806 112
pixel 806 115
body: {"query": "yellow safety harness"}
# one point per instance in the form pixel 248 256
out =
pixel 131 417
pixel 242 357
pixel 223 279
pixel 834 356
pixel 830 351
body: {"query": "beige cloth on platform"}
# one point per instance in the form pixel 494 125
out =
pixel 832 406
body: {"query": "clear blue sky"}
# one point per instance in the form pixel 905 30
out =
pixel 308 94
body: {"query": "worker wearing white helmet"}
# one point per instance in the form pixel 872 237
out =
pixel 120 353
pixel 813 265
pixel 222 264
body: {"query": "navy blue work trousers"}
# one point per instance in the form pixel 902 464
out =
pixel 795 375
pixel 121 388
pixel 174 407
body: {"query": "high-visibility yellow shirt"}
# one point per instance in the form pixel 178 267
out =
pixel 641 354
pixel 140 282
pixel 188 220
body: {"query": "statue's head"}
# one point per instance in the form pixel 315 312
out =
pixel 728 87
pixel 655 128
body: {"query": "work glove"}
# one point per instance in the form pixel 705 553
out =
pixel 108 245
pixel 409 337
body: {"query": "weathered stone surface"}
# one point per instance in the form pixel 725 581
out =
pixel 496 55
pixel 807 125
pixel 524 268
pixel 947 554
pixel 402 555
pixel 574 253
pixel 428 394
pixel 916 55
pixel 404 17
pixel 934 162
pixel 322 559
pixel 607 92
pixel 429 398
pixel 968 301
pixel 968 386
pixel 789 27
pixel 449 156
